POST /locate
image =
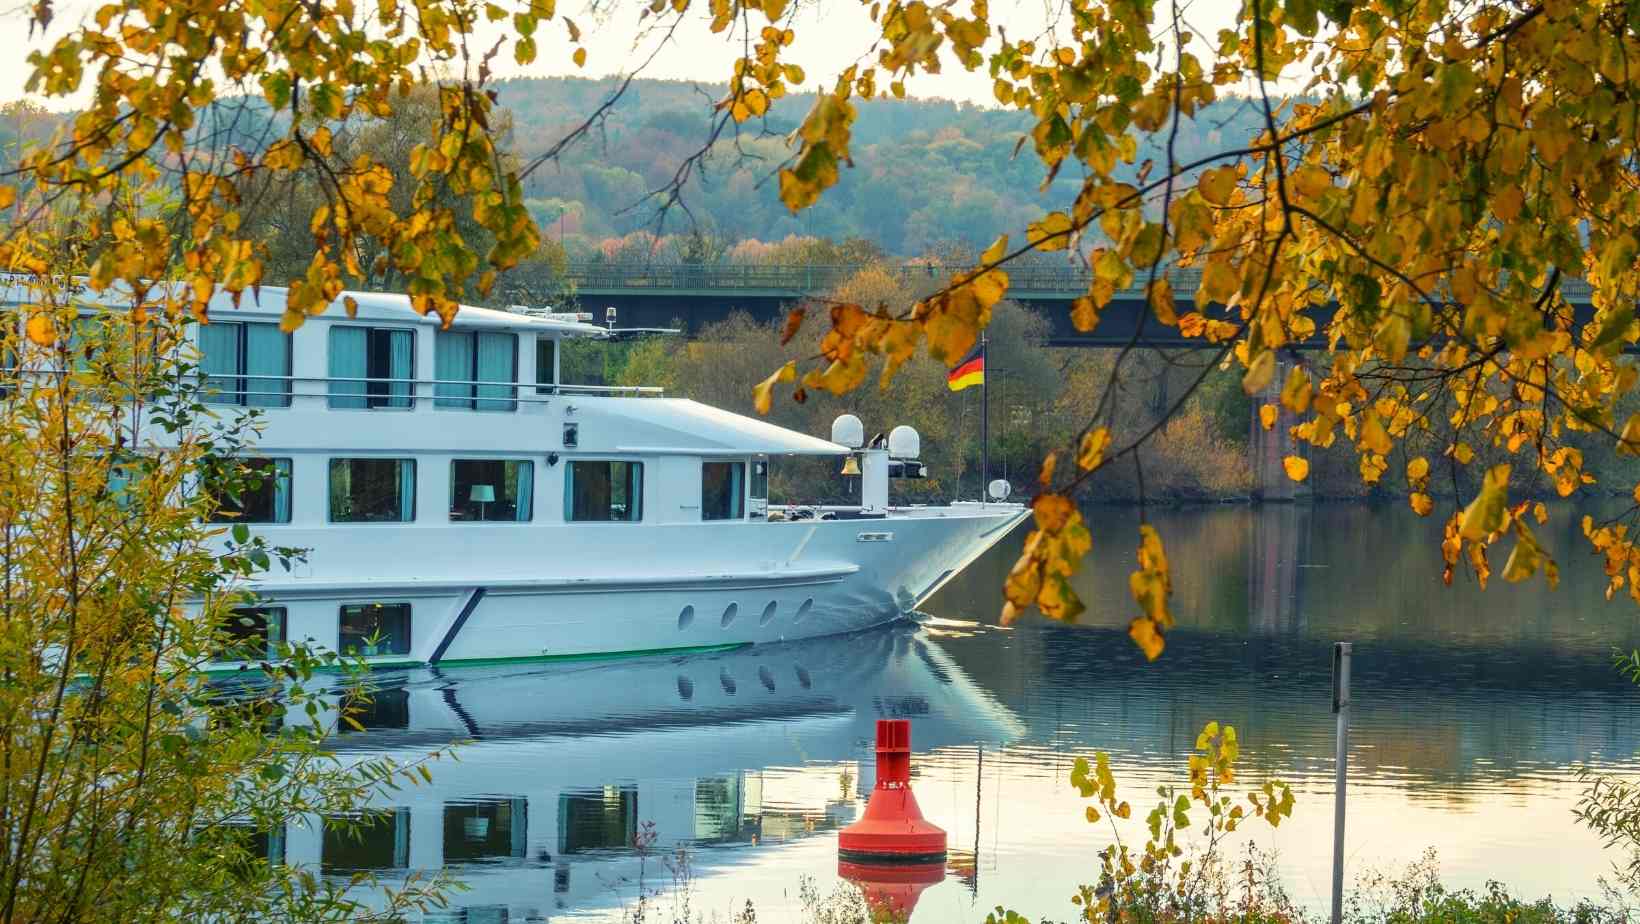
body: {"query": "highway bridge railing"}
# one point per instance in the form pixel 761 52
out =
pixel 799 280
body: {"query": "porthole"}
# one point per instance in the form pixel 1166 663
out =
pixel 686 617
pixel 686 688
pixel 803 610
pixel 766 677
pixel 768 613
pixel 727 682
pixel 729 614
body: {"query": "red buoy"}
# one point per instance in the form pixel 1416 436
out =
pixel 892 829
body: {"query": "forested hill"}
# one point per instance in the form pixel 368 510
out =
pixel 931 173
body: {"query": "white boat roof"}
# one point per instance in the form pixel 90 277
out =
pixel 681 426
pixel 269 302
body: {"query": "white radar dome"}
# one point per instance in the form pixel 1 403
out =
pixel 849 431
pixel 904 443
pixel 999 489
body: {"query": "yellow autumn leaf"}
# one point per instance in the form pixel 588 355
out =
pixel 1295 392
pixel 1421 503
pixel 1485 514
pixel 1084 314
pixel 1259 372
pixel 1373 436
pixel 1629 440
pixel 1143 632
pixel 1162 305
pixel 1092 450
pixel 1297 467
pixel 1267 416
pixel 8 195
pixel 1464 454
pixel 1312 181
pixel 579 57
pixel 1051 233
pixel 763 392
pixel 40 330
pixel 1417 469
pixel 1217 185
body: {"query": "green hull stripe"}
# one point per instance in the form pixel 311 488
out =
pixel 520 659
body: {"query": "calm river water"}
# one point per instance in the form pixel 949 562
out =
pixel 1472 712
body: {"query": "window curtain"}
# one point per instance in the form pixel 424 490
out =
pixel 403 343
pixel 737 492
pixel 281 490
pixel 452 362
pixel 497 362
pixel 634 491
pixel 267 354
pixel 525 473
pixel 219 360
pixel 341 490
pixel 407 490
pixel 348 360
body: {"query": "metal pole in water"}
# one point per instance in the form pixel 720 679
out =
pixel 1340 708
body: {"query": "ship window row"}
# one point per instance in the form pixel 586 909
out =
pixel 252 633
pixel 370 367
pixel 258 490
pixel 377 490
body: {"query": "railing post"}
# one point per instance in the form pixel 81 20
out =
pixel 1341 708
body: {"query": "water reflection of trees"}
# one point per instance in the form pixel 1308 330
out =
pixel 1452 684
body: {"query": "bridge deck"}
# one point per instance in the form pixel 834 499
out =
pixel 656 294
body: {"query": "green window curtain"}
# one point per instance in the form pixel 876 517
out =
pixel 525 475
pixel 403 344
pixel 267 355
pixel 219 360
pixel 452 362
pixel 497 362
pixel 341 490
pixel 737 491
pixel 407 490
pixel 281 490
pixel 348 360
pixel 634 491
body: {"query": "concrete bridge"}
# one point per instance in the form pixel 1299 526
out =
pixel 656 294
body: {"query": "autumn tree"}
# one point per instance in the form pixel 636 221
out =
pixel 1426 186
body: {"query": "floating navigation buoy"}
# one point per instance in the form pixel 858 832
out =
pixel 893 830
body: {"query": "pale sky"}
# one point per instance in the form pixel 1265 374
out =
pixel 831 35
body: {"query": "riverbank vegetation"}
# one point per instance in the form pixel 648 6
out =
pixel 131 788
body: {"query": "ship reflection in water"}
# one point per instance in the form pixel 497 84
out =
pixel 577 779
pixel 1472 712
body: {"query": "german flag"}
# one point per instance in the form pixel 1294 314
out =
pixel 970 371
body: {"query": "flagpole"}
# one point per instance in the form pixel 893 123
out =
pixel 984 421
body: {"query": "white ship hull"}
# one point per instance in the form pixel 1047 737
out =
pixel 588 590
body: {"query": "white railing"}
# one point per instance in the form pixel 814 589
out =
pixel 418 390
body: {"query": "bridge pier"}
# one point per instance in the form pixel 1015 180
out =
pixel 1267 448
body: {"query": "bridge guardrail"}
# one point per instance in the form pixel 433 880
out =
pixel 811 279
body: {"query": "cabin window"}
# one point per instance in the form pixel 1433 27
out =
pixel 372 490
pixel 372 629
pixel 485 829
pixel 491 490
pixel 760 480
pixel 546 365
pixel 9 340
pixel 257 492
pixel 245 364
pixel 475 369
pixel 375 840
pixel 251 632
pixel 371 367
pixel 604 491
pixel 722 487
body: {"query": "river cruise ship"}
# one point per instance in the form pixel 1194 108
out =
pixel 457 502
